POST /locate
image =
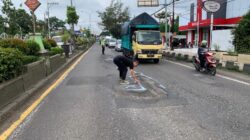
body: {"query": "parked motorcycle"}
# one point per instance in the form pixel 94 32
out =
pixel 210 63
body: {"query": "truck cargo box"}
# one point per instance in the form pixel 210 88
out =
pixel 143 22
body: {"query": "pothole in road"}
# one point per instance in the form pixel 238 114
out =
pixel 150 93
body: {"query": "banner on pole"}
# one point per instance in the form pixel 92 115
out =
pixel 147 3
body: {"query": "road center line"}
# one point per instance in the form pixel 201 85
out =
pixel 218 75
pixel 33 106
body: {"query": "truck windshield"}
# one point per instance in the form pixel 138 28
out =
pixel 149 38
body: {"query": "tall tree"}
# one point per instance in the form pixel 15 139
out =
pixel 23 20
pixel 72 17
pixel 2 20
pixel 41 27
pixel 7 7
pixel 242 35
pixel 18 19
pixel 56 23
pixel 113 17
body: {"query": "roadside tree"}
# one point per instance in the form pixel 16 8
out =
pixel 56 23
pixel 113 17
pixel 18 19
pixel 242 35
pixel 72 17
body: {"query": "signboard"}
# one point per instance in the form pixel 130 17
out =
pixel 32 4
pixel 211 6
pixel 147 3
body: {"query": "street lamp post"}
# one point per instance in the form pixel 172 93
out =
pixel 49 5
pixel 166 23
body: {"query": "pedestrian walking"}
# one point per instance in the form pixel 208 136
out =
pixel 103 45
pixel 123 62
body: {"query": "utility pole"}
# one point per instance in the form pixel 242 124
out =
pixel 72 25
pixel 90 14
pixel 173 18
pixel 198 24
pixel 166 24
pixel 48 20
pixel 34 22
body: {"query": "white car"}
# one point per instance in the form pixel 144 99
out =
pixel 112 43
pixel 118 46
pixel 58 40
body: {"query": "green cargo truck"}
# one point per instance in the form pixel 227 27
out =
pixel 141 38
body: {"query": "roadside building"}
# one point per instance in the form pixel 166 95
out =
pixel 225 20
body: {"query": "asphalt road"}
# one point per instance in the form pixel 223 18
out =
pixel 179 104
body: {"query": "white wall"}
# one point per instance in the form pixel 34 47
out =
pixel 237 8
pixel 224 39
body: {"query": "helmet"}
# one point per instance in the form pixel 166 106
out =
pixel 204 42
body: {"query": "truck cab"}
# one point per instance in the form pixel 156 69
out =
pixel 141 38
pixel 147 44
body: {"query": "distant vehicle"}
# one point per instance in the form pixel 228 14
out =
pixel 118 46
pixel 58 40
pixel 141 38
pixel 112 43
pixel 107 38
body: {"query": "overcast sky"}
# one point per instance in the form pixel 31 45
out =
pixel 86 8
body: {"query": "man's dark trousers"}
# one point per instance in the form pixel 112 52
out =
pixel 122 69
pixel 202 60
pixel 103 49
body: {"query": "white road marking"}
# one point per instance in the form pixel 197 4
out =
pixel 218 75
pixel 232 79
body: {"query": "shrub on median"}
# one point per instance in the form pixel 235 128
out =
pixel 46 44
pixel 29 59
pixel 55 51
pixel 52 42
pixel 15 43
pixel 34 47
pixel 11 63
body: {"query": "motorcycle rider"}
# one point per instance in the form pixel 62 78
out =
pixel 201 53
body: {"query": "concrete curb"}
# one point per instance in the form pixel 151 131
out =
pixel 8 110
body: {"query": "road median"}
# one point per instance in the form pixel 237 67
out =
pixel 38 75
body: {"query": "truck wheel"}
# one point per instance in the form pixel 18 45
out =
pixel 156 61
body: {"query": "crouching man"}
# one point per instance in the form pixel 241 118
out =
pixel 122 62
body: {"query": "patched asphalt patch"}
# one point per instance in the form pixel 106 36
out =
pixel 155 95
